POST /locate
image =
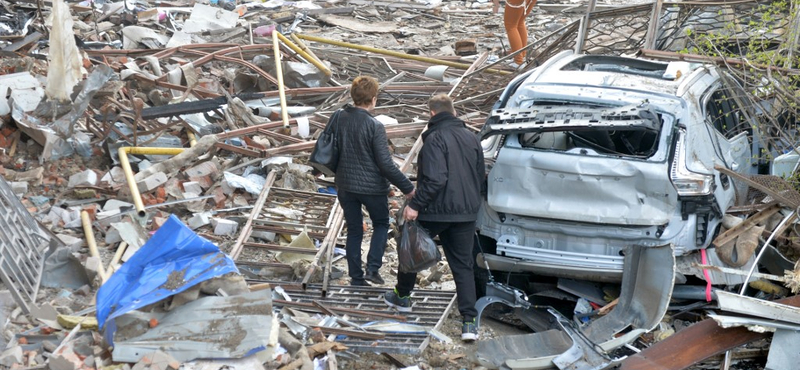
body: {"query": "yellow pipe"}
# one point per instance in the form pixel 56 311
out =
pixel 305 48
pixel 395 53
pixel 126 167
pixel 87 230
pixel 279 72
pixel 117 257
pixel 192 138
pixel 304 54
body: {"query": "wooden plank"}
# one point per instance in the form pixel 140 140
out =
pixel 751 221
pixel 694 344
pixel 30 39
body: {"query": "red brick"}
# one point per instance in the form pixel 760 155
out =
pixel 161 193
pixel 204 181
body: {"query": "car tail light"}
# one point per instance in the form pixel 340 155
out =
pixel 686 182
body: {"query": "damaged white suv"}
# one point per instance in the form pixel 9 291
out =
pixel 594 154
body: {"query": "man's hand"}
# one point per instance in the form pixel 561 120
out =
pixel 495 6
pixel 411 194
pixel 410 214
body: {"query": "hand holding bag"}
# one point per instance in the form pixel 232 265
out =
pixel 325 156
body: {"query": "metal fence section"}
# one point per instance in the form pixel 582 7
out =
pixel 23 248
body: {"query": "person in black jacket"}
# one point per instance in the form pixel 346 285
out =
pixel 449 177
pixel 363 175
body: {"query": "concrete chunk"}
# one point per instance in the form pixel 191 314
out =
pixel 85 178
pixel 19 187
pixel 92 266
pixel 203 169
pixel 113 204
pixel 199 220
pixel 11 356
pixel 191 187
pixel 71 242
pixel 224 227
pixel 152 182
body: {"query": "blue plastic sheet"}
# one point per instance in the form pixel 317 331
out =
pixel 173 260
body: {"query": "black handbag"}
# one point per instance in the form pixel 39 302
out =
pixel 325 156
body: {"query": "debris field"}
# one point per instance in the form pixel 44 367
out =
pixel 157 209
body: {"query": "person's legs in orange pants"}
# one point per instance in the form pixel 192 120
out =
pixel 514 20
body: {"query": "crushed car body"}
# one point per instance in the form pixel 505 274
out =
pixel 605 169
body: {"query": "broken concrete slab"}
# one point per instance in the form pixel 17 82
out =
pixel 12 356
pixel 84 178
pixel 152 182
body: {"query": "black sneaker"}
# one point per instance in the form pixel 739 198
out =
pixel 374 277
pixel 402 304
pixel 469 331
pixel 359 283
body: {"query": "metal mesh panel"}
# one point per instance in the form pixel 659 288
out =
pixel 682 24
pixel 618 31
pixel 23 246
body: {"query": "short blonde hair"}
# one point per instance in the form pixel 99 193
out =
pixel 441 103
pixel 363 89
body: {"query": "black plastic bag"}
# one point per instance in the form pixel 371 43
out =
pixel 416 249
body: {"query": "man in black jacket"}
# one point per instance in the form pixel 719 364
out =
pixel 449 177
pixel 362 178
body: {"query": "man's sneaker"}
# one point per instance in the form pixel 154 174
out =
pixel 469 331
pixel 362 282
pixel 402 304
pixel 374 277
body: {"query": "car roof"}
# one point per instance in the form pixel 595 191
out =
pixel 618 72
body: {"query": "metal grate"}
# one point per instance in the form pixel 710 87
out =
pixel 618 31
pixel 23 247
pixel 313 212
pixel 774 186
pixel 430 309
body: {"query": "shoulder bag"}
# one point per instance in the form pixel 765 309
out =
pixel 325 156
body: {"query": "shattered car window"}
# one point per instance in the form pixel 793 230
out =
pixel 590 130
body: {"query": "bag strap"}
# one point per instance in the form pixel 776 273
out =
pixel 333 121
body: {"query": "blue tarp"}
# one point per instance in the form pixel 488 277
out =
pixel 173 260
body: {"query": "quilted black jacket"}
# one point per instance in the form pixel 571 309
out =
pixel 365 164
pixel 450 172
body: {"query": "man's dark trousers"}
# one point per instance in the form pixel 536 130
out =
pixel 457 241
pixel 378 209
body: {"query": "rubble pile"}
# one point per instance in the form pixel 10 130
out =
pixel 159 212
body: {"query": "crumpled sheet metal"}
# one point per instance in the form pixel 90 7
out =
pixel 59 138
pixel 210 327
pixel 548 344
pixel 172 261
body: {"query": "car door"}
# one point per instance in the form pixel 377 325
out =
pixel 731 136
